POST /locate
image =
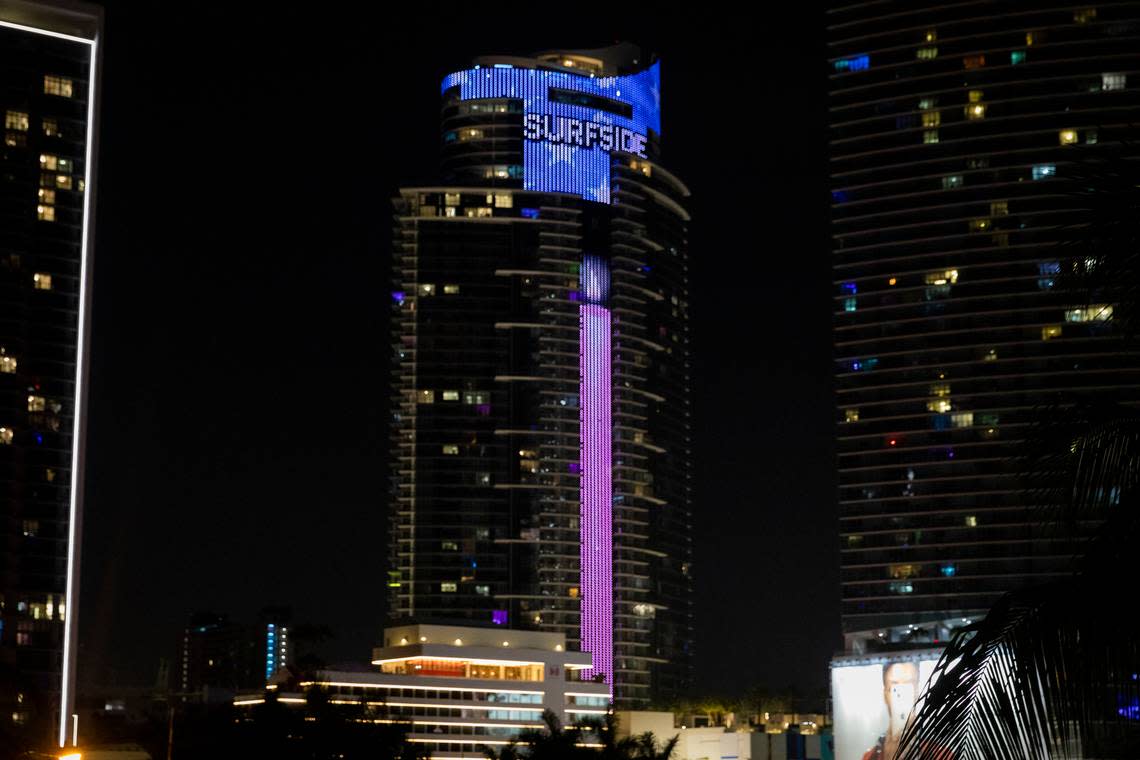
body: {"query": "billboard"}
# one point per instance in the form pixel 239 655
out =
pixel 572 123
pixel 873 699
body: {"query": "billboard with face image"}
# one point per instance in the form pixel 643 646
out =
pixel 874 698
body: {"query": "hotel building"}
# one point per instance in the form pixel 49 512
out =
pixel 459 689
pixel 541 473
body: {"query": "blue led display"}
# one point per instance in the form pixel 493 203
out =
pixel 574 162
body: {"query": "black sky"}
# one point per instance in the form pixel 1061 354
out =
pixel 238 433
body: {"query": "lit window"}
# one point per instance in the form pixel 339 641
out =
pixel 971 521
pixel 504 200
pixel 63 181
pixel 41 281
pixel 54 85
pixel 427 211
pixel 925 104
pixel 951 181
pixel 642 166
pixel 941 390
pixel 479 212
pixel 948 571
pixel 7 363
pixel 930 136
pixel 999 208
pixel 450 211
pixel 450 290
pixel 856 63
pixel 962 419
pixel 425 397
pixel 974 61
pixel 1050 331
pixel 903 571
pixel 15 139
pixel 451 199
pixel 450 449
pixel 451 395
pixel 470 134
pixel 483 590
pixel 1091 137
pixel 976 111
pixel 931 35
pixel 17 120
pixel 1084 15
pixel 49 162
pixel 979 225
pixel 448 588
pixel 926 53
pixel 1041 171
pixel 6 435
pixel 45 213
pixel 426 289
pixel 31 528
pixel 1067 136
pixel 47 195
pixel 990 356
pixel 36 403
pixel 476 397
pixel 1097 313
pixel 1016 57
pixel 573 592
pixel 931 119
pixel 943 277
pixel 939 405
pixel 851 415
pixel 450 546
pixel 850 304
pixel 50 126
pixel 901 587
pixel 1113 81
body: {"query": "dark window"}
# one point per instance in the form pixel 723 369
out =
pixel 597 102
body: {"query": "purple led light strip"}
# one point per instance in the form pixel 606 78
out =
pixel 596 510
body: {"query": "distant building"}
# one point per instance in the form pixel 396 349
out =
pixel 49 76
pixel 221 656
pixel 460 687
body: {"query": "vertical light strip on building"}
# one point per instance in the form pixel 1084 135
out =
pixel 596 509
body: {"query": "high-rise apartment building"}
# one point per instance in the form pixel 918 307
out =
pixel 541 426
pixel 48 93
pixel 952 129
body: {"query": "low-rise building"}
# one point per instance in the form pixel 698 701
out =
pixel 460 688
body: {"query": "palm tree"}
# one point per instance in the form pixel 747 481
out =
pixel 1053 671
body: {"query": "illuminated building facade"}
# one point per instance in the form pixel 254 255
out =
pixel 952 129
pixel 48 77
pixel 461 688
pixel 541 423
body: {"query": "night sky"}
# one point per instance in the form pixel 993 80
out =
pixel 240 363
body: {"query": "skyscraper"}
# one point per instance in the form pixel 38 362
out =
pixel 48 84
pixel 952 131
pixel 541 427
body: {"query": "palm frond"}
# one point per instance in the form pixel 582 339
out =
pixel 1045 676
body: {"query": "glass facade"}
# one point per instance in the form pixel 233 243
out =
pixel 949 193
pixel 569 433
pixel 47 75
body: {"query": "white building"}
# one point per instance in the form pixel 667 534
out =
pixel 463 688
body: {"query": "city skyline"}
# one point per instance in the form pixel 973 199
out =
pixel 260 310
